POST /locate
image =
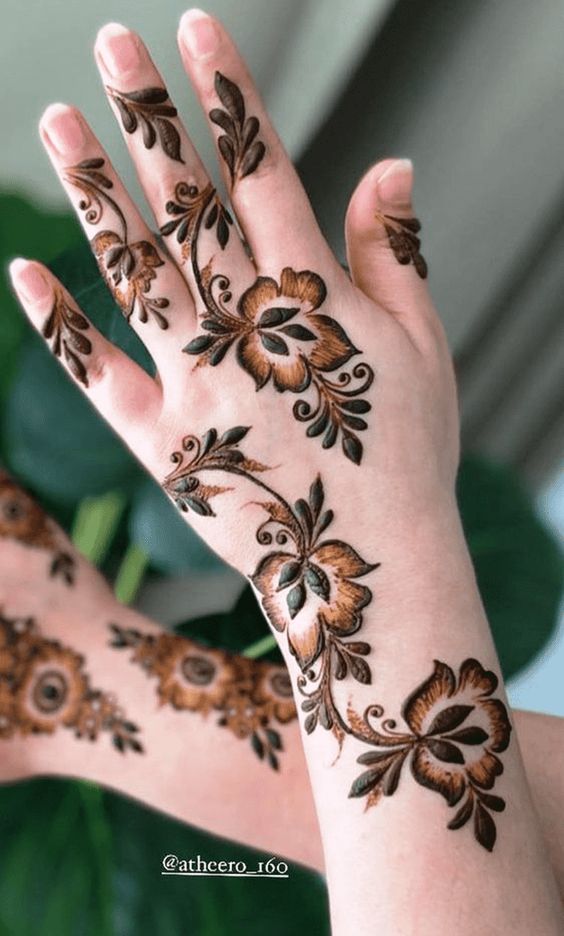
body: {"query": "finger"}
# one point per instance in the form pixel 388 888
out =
pixel 119 389
pixel 196 226
pixel 146 283
pixel 383 244
pixel 267 195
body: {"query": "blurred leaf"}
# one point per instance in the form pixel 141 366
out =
pixel 55 442
pixel 25 231
pixel 156 527
pixel 518 563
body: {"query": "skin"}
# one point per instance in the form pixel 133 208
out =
pixel 177 778
pixel 397 510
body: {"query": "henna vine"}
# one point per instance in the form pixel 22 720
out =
pixel 238 144
pixel 247 695
pixel 64 328
pixel 129 268
pixel 277 331
pixel 455 732
pixel 23 520
pixel 149 108
pixel 308 586
pixel 404 242
pixel 43 686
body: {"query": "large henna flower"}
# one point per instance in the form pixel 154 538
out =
pixel 51 691
pixel 456 732
pixel 310 589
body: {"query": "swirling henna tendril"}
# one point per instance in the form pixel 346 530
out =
pixel 119 260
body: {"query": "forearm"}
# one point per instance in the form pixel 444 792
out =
pixel 158 695
pixel 389 854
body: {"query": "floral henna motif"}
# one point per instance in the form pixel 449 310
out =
pixel 404 242
pixel 248 695
pixel 43 686
pixel 64 328
pixel 455 730
pixel 129 268
pixel 238 144
pixel 308 586
pixel 150 109
pixel 23 520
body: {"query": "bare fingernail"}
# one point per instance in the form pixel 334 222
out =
pixel 395 184
pixel 199 33
pixel 64 129
pixel 118 49
pixel 28 281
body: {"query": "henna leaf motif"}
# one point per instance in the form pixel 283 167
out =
pixel 151 109
pixel 64 329
pixel 404 242
pixel 239 148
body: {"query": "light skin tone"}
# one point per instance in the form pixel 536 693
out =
pixel 177 777
pixel 387 573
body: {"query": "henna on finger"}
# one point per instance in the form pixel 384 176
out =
pixel 238 145
pixel 23 520
pixel 64 329
pixel 44 686
pixel 455 732
pixel 129 268
pixel 404 242
pixel 151 110
pixel 248 696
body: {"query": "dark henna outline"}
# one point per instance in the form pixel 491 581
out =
pixel 307 568
pixel 339 406
pixel 404 242
pixel 64 328
pixel 150 108
pixel 247 695
pixel 445 740
pixel 44 686
pixel 23 520
pixel 238 146
pixel 117 257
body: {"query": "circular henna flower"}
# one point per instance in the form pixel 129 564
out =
pixel 191 679
pixel 285 337
pixel 273 692
pixel 51 690
pixel 21 518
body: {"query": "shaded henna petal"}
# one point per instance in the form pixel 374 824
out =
pixel 440 685
pixel 304 285
pixel 333 348
pixel 450 783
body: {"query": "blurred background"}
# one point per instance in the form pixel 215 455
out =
pixel 472 92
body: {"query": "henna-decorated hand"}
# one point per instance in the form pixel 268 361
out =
pixel 276 375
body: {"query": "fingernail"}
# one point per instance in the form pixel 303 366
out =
pixel 118 48
pixel 63 128
pixel 199 33
pixel 28 281
pixel 395 184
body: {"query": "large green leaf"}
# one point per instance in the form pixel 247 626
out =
pixel 518 562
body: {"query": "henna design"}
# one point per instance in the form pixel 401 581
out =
pixel 121 262
pixel 238 145
pixel 248 695
pixel 306 574
pixel 278 333
pixel 149 108
pixel 64 328
pixel 455 730
pixel 188 208
pixel 43 686
pixel 23 520
pixel 404 242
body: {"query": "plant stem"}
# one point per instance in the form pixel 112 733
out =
pixel 130 574
pixel 95 524
pixel 260 647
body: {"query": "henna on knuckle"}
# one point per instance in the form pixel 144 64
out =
pixel 129 267
pixel 249 697
pixel 404 242
pixel 149 110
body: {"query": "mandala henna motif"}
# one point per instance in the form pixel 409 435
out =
pixel 64 328
pixel 277 330
pixel 128 267
pixel 238 144
pixel 404 242
pixel 150 109
pixel 247 695
pixel 308 585
pixel 23 520
pixel 44 686
pixel 455 732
